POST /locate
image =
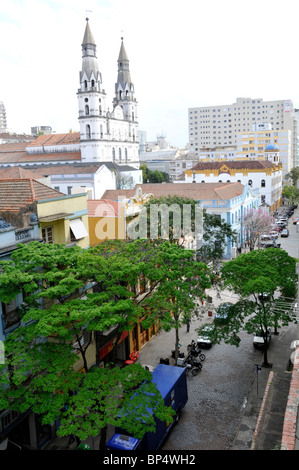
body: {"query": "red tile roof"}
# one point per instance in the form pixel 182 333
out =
pixel 24 157
pixel 233 165
pixel 56 139
pixel 197 191
pixel 18 193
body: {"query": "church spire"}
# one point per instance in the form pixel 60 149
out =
pixel 90 69
pixel 124 88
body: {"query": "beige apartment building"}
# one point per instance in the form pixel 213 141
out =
pixel 218 126
pixel 252 145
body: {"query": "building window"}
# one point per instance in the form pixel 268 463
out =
pixel 47 234
pixel 10 313
pixel 88 134
pixel 263 183
pixel 86 109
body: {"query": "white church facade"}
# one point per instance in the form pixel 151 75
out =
pixel 108 134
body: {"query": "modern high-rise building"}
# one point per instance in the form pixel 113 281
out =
pixel 3 123
pixel 218 126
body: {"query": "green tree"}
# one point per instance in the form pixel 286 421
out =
pixel 153 176
pixel 178 283
pixel 258 278
pixel 58 283
pixel 291 193
pixel 122 397
pixel 216 234
pixel 293 175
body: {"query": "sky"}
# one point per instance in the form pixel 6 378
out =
pixel 182 54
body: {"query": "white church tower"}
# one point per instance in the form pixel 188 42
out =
pixel 106 136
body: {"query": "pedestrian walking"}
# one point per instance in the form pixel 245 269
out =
pixel 188 325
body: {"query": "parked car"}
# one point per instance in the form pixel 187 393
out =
pixel 222 313
pixel 258 339
pixel 270 244
pixel 284 233
pixel 282 224
pixel 295 220
pixel 204 340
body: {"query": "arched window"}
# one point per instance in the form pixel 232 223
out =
pixel 250 182
pixel 119 154
pixel 92 83
pixel 88 134
pixel 113 154
pixel 263 183
pixel 101 131
pixel 126 155
pixel 85 83
pixel 86 109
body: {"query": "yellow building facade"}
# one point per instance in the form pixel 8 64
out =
pixel 64 220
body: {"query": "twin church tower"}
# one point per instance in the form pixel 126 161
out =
pixel 106 135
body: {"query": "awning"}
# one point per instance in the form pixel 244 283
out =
pixel 78 229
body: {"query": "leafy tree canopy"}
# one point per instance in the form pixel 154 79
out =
pixel 262 279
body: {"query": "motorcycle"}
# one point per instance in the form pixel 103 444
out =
pixel 194 350
pixel 191 364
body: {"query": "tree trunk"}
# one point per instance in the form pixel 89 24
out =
pixel 103 437
pixel 176 349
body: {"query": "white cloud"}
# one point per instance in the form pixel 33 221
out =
pixel 182 54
